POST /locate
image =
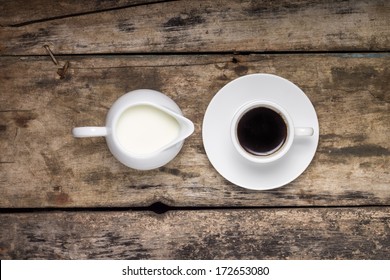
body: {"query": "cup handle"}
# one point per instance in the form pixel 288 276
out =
pixel 89 131
pixel 304 131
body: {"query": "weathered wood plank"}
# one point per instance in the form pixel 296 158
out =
pixel 20 12
pixel 210 26
pixel 219 234
pixel 41 165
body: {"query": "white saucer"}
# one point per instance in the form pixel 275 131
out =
pixel 219 147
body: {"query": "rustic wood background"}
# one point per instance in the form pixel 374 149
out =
pixel 60 195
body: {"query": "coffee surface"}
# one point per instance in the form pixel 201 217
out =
pixel 261 131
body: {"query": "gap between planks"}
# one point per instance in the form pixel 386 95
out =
pixel 160 208
pixel 207 53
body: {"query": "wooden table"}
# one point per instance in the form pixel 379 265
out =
pixel 66 198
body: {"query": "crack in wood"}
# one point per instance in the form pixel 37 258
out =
pixel 14 110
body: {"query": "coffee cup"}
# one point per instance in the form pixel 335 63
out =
pixel 263 131
pixel 144 129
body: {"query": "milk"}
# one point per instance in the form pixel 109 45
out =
pixel 144 129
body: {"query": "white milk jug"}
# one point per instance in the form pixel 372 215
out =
pixel 144 129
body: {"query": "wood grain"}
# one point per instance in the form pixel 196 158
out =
pixel 197 26
pixel 42 165
pixel 20 12
pixel 235 234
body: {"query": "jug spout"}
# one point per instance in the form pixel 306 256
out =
pixel 186 128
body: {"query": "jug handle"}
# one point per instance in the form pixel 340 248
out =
pixel 89 131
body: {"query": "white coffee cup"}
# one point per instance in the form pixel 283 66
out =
pixel 263 131
pixel 144 129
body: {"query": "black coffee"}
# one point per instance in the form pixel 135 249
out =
pixel 261 131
